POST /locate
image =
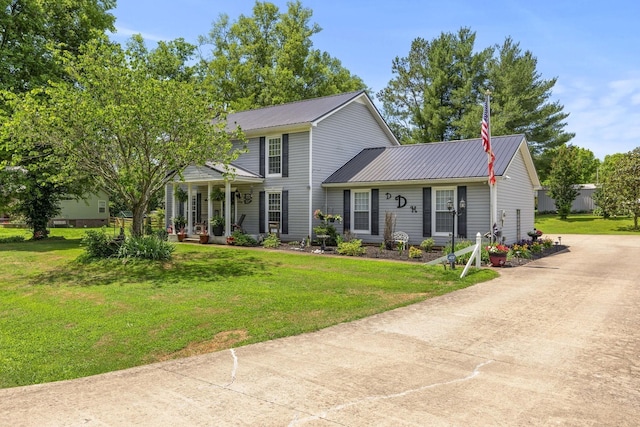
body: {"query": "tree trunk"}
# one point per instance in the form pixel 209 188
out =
pixel 138 221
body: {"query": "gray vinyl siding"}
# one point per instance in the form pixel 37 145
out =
pixel 336 140
pixel 251 159
pixel 410 221
pixel 515 193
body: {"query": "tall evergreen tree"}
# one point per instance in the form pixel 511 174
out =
pixel 434 88
pixel 437 91
pixel 268 59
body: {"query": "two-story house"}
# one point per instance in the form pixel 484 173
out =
pixel 337 154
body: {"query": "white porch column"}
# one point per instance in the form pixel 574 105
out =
pixel 227 208
pixel 173 207
pixel 209 208
pixel 189 215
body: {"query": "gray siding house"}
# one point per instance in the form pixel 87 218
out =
pixel 338 155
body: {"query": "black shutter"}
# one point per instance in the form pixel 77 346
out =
pixel 262 156
pixel 285 156
pixel 462 219
pixel 426 212
pixel 285 212
pixel 375 212
pixel 262 212
pixel 346 210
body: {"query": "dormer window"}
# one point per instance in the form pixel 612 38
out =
pixel 274 158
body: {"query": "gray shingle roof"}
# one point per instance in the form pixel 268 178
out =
pixel 293 113
pixel 419 162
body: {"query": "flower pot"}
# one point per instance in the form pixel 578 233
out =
pixel 218 230
pixel 498 260
pixel 204 238
pixel 181 237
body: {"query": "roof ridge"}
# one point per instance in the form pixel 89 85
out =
pixel 302 100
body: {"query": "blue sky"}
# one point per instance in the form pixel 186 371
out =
pixel 593 50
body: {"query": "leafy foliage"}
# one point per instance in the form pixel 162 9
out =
pixel 98 244
pixel 351 248
pixel 428 244
pixel 126 120
pixel 563 179
pixel 267 59
pixel 242 239
pixel 146 247
pixel 271 241
pixel 438 88
pixel 415 252
pixel 620 190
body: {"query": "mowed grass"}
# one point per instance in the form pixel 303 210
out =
pixel 61 319
pixel 584 224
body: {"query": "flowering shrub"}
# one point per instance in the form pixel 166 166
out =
pixel 521 250
pixel 497 249
pixel 326 217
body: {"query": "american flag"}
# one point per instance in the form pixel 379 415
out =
pixel 486 140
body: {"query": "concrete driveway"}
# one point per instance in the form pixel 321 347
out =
pixel 556 342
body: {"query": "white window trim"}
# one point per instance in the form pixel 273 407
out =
pixel 434 211
pixel 102 204
pixel 266 159
pixel 267 210
pixel 353 216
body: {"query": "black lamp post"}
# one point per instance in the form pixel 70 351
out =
pixel 454 214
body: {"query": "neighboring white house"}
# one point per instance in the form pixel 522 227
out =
pixel 338 155
pixel 583 203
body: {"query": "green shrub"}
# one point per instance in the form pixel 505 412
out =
pixel 241 239
pixel 351 248
pixel 427 244
pixel 146 247
pixel 98 245
pixel 415 252
pixel 12 239
pixel 461 259
pixel 271 241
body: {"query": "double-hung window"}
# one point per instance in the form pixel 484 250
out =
pixel 274 208
pixel 443 218
pixel 274 156
pixel 361 211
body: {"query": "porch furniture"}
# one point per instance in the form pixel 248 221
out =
pixel 238 225
pixel 401 237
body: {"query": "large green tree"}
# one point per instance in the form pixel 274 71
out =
pixel 437 93
pixel 122 120
pixel 434 87
pixel 268 58
pixel 620 186
pixel 31 31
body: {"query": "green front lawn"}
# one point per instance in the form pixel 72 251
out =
pixel 60 319
pixel 584 224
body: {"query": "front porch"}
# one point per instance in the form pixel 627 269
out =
pixel 211 200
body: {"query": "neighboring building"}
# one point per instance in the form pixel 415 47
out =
pixel 338 155
pixel 583 203
pixel 90 212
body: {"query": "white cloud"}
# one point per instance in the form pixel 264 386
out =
pixel 125 33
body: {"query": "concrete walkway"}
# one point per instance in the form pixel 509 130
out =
pixel 556 342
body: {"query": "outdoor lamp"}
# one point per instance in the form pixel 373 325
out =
pixel 461 207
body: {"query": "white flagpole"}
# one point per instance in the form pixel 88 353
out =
pixel 493 194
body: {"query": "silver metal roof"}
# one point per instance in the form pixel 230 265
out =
pixel 293 113
pixel 432 161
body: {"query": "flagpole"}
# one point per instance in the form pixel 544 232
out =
pixel 493 194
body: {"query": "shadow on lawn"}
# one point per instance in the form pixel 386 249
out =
pixel 188 268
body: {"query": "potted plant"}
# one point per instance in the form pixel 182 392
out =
pixel 217 223
pixel 534 234
pixel 204 235
pixel 181 233
pixel 497 254
pixel 181 195
pixel 179 222
pixel 217 194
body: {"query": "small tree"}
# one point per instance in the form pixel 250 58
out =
pixel 563 179
pixel 624 184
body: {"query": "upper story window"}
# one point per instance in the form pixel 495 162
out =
pixel 102 206
pixel 274 156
